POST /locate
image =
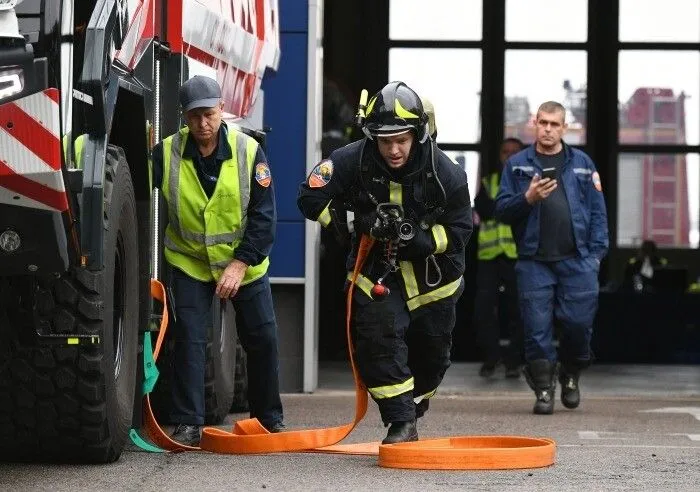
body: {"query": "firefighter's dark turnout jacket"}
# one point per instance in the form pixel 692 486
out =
pixel 420 308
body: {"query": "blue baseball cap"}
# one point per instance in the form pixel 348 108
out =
pixel 199 92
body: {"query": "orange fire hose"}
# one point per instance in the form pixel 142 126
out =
pixel 453 453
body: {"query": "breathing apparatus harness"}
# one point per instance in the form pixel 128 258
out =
pixel 391 219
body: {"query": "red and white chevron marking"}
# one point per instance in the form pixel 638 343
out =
pixel 30 153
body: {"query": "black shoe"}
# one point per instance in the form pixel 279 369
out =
pixel 570 395
pixel 487 369
pixel 401 432
pixel 187 434
pixel 276 427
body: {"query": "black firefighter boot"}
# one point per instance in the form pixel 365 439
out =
pixel 568 377
pixel 570 395
pixel 401 432
pixel 540 375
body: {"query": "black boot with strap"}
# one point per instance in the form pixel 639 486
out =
pixel 540 375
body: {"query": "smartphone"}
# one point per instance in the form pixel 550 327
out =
pixel 549 172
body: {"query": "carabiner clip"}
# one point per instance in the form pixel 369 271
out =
pixel 437 269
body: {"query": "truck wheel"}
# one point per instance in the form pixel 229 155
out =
pixel 221 365
pixel 67 402
pixel 218 372
pixel 240 393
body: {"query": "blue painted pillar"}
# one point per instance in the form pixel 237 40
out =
pixel 292 110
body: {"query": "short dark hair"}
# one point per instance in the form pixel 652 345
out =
pixel 514 140
pixel 551 107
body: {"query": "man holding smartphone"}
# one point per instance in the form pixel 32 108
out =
pixel 551 195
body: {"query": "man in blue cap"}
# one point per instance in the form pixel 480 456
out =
pixel 221 225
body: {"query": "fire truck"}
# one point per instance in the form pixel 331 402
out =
pixel 86 89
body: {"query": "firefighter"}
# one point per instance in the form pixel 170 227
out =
pixel 221 223
pixel 551 195
pixel 495 273
pixel 414 201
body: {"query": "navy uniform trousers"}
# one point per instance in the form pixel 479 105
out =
pixel 257 330
pixel 565 289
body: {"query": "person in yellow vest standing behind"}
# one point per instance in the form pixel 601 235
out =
pixel 221 226
pixel 495 276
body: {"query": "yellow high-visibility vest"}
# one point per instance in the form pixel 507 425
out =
pixel 495 238
pixel 203 232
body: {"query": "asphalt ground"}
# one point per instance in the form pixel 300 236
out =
pixel 638 428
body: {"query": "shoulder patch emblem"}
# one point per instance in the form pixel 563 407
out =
pixel 596 181
pixel 321 175
pixel 262 174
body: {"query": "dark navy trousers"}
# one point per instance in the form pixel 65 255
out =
pixel 566 290
pixel 257 330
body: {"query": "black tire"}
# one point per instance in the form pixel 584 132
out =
pixel 240 392
pixel 75 403
pixel 218 372
pixel 221 363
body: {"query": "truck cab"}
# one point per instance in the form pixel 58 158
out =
pixel 86 90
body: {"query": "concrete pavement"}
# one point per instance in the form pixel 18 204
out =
pixel 638 428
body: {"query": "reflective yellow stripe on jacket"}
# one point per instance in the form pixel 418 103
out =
pixel 494 238
pixel 203 232
pixel 363 283
pixel 415 298
pixel 324 217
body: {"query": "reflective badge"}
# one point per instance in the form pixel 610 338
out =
pixel 321 174
pixel 262 174
pixel 596 181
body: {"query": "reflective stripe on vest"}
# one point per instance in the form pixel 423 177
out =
pixel 203 232
pixel 495 238
pixel 78 145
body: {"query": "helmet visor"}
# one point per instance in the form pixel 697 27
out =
pixel 379 130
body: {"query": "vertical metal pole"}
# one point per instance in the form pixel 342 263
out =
pixel 156 101
pixel 155 234
pixel 313 154
pixel 155 196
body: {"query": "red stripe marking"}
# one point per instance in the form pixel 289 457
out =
pixel 31 189
pixel 25 129
pixel 200 56
pixel 52 93
pixel 261 12
pixel 174 26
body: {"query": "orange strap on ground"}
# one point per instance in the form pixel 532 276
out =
pixel 454 453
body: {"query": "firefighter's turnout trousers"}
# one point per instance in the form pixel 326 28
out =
pixel 402 356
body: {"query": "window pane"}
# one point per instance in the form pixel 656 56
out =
pixel 535 76
pixel 659 97
pixel 651 20
pixel 469 161
pixel 456 98
pixel 544 20
pixel 658 199
pixel 455 20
